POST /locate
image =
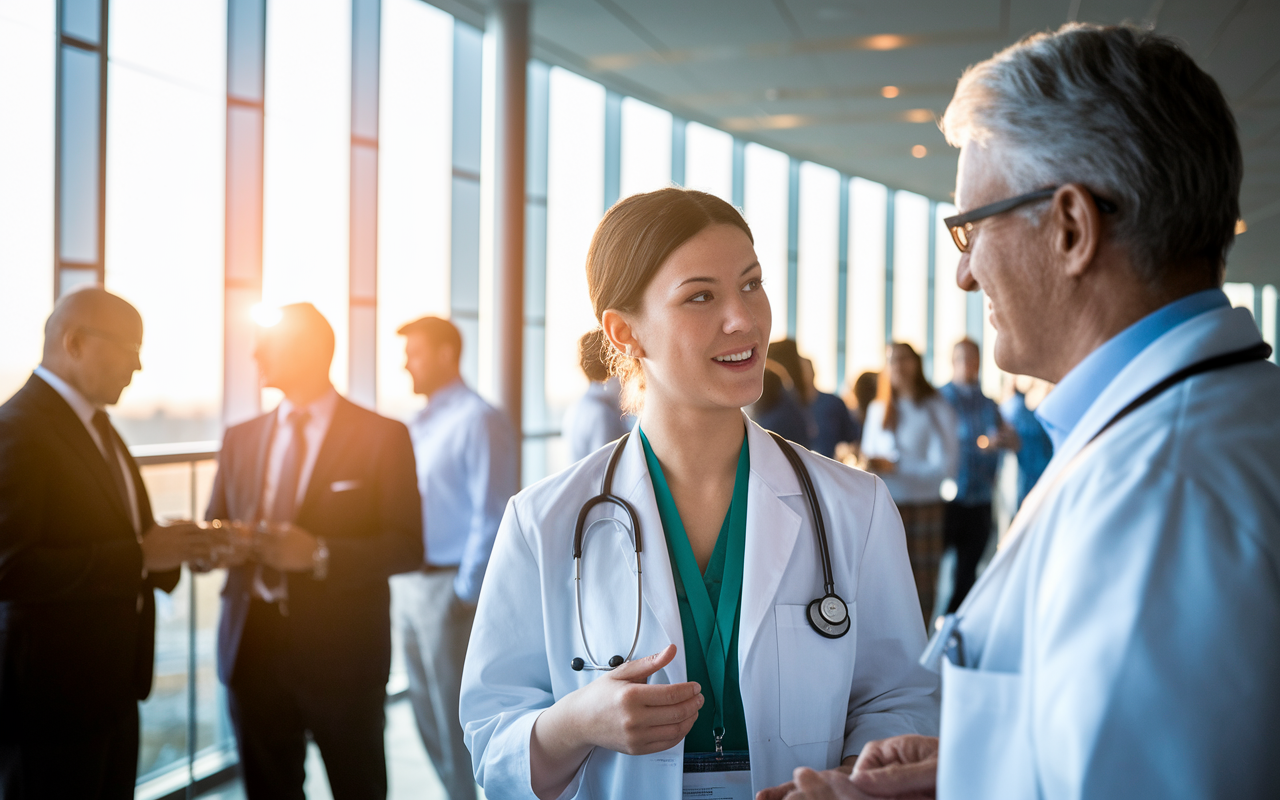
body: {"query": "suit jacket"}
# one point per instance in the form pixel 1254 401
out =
pixel 363 499
pixel 75 650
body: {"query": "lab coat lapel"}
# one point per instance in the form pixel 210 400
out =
pixel 633 484
pixel 772 531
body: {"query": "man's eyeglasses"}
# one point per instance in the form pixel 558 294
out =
pixel 961 225
pixel 132 347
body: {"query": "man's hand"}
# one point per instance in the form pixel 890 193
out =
pixel 785 790
pixel 231 544
pixel 902 767
pixel 286 547
pixel 166 546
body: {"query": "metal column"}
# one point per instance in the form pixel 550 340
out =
pixel 793 245
pixel 888 266
pixel 536 420
pixel 842 285
pixel 678 129
pixel 612 148
pixel 464 234
pixel 80 162
pixel 930 351
pixel 362 356
pixel 509 22
pixel 246 74
pixel 739 189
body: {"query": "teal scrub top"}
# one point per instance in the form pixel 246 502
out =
pixel 725 567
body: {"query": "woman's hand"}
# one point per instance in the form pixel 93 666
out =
pixel 618 711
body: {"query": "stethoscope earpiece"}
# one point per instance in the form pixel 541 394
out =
pixel 577 664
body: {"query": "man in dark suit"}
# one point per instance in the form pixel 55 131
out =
pixel 304 644
pixel 80 556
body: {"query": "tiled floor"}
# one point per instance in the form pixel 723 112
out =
pixel 411 774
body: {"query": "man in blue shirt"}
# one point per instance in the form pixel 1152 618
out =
pixel 465 451
pixel 983 434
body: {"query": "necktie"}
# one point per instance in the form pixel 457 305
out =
pixel 270 581
pixel 105 432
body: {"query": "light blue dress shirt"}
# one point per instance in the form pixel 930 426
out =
pixel 465 451
pixel 1071 398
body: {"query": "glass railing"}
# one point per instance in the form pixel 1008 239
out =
pixel 186 735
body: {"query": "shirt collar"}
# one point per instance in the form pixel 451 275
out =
pixel 1071 398
pixel 321 409
pixel 79 404
pixel 445 394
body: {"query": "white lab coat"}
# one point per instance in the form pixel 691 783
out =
pixel 808 700
pixel 1125 641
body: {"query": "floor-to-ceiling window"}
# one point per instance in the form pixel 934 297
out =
pixel 765 209
pixel 950 301
pixel 646 148
pixel 575 204
pixel 414 185
pixel 307 163
pixel 28 49
pixel 910 265
pixel 866 301
pixel 819 241
pixel 708 160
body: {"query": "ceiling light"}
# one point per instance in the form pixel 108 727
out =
pixel 1241 227
pixel 919 151
pixel 918 115
pixel 889 91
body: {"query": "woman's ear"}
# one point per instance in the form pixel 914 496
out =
pixel 617 329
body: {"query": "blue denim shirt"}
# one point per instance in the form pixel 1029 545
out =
pixel 1071 398
pixel 976 415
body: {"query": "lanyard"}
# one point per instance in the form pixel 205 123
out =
pixel 715 627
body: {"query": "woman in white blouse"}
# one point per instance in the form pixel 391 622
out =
pixel 909 440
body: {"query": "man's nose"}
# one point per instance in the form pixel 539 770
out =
pixel 964 276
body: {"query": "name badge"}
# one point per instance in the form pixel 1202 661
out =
pixel 718 776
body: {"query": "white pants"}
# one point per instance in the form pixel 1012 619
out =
pixel 436 626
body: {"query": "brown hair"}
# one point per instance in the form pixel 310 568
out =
pixel 630 245
pixel 436 331
pixel 921 389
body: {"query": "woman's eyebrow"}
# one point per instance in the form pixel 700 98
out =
pixel 703 279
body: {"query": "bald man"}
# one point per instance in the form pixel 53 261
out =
pixel 80 556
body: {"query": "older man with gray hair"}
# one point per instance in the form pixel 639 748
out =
pixel 1123 642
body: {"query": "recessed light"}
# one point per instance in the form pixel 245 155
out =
pixel 889 91
pixel 919 151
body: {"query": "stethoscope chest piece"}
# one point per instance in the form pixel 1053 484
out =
pixel 829 616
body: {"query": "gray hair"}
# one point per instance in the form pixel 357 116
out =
pixel 1128 114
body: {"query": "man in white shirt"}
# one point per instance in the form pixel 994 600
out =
pixel 466 458
pixel 1122 643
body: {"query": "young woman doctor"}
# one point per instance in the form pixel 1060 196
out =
pixel 718 677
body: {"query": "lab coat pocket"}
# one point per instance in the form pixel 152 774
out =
pixel 986 750
pixel 814 676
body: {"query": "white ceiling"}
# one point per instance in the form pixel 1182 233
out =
pixel 805 76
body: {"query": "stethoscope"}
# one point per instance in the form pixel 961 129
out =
pixel 828 615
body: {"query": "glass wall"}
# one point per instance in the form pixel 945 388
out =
pixel 765 198
pixel 866 300
pixel 575 203
pixel 646 148
pixel 950 302
pixel 307 163
pixel 819 242
pixel 166 124
pixel 910 269
pixel 28 39
pixel 708 164
pixel 414 185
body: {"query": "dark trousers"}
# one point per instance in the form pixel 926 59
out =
pixel 272 718
pixel 102 765
pixel 966 529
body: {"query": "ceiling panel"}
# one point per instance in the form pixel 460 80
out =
pixel 804 76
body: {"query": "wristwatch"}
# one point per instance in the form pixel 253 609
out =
pixel 320 560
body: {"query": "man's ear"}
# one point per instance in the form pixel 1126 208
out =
pixel 618 330
pixel 1077 229
pixel 73 341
